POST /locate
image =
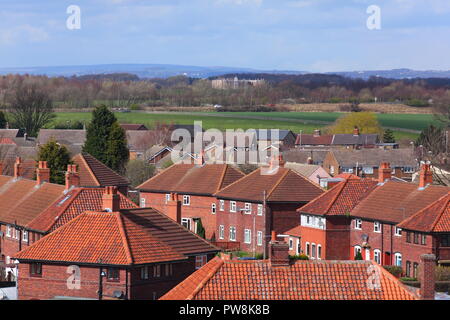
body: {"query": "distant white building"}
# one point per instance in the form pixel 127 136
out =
pixel 236 83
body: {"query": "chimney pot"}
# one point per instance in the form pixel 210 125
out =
pixel 72 177
pixel 426 176
pixel 42 173
pixel 427 276
pixel 111 199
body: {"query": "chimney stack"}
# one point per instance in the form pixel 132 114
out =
pixel 427 276
pixel 18 168
pixel 309 160
pixel 278 252
pixel 317 133
pixel 72 177
pixel 42 173
pixel 426 176
pixel 111 200
pixel 173 210
pixel 276 161
pixel 356 131
pixel 384 172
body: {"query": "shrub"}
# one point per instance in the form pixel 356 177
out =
pixel 299 257
pixel 394 270
pixel 417 103
pixel 442 273
pixel 358 256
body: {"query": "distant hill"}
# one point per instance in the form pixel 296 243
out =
pixel 168 70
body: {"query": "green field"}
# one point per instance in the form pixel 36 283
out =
pixel 295 121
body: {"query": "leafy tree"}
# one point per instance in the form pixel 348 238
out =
pixel 57 157
pixel 98 133
pixel 2 120
pixel 432 139
pixel 442 109
pixel 358 256
pixel 31 107
pixel 388 136
pixel 139 171
pixel 200 229
pixel 367 122
pixel 117 153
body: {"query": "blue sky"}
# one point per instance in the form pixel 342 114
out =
pixel 311 35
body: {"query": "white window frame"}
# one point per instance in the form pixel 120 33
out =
pixel 259 238
pixel 186 200
pixel 248 208
pixel 144 273
pixel 25 236
pixel 367 170
pixel 307 249
pixel 313 251
pixel 213 208
pixel 291 243
pixel 222 205
pixel 377 256
pixel 358 224
pixel 16 234
pixel 167 197
pixel 397 259
pixel 168 270
pixel 319 252
pixel 356 249
pixel 8 231
pixel 221 232
pixel 347 170
pixel 260 210
pixel 331 169
pixel 157 271
pixel 188 221
pixel 233 206
pixel 398 231
pixel 232 233
pixel 377 227
pixel 142 202
pixel 247 236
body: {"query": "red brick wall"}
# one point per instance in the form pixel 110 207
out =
pixel 313 236
pixel 200 207
pixel 284 216
pixel 337 238
pixel 10 246
pixel 412 252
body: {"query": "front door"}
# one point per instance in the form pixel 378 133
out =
pixel 387 259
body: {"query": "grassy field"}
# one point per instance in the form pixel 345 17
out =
pixel 295 121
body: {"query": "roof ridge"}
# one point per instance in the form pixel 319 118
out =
pixel 123 234
pixel 222 177
pixel 306 178
pixel 89 167
pixel 208 276
pixel 277 183
pixel 238 180
pixel 158 174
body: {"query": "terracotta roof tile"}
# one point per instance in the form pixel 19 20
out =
pixel 433 218
pixel 303 280
pixel 71 205
pixel 284 185
pixel 192 179
pixel 93 173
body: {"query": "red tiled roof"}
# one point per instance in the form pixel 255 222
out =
pixel 285 185
pixel 310 139
pixel 295 231
pixel 341 199
pixel 71 205
pixel 192 179
pixel 7 141
pixel 101 238
pixel 347 176
pixel 93 173
pixel 303 280
pixel 433 218
pixel 396 201
pixel 131 236
pixel 22 200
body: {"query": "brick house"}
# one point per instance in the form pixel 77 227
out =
pixel 126 254
pixel 365 163
pixel 363 215
pixel 194 185
pixel 281 279
pixel 427 232
pixel 356 140
pixel 250 208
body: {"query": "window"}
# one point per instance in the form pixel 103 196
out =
pixel 299 246
pixel 16 234
pixel 356 250
pixel 213 208
pixel 313 251
pixel 347 170
pixel 186 222
pixel 232 206
pixel 8 231
pixel 408 237
pixel 247 236
pixel 445 240
pixel 186 200
pixel 144 273
pixel 308 219
pixel 167 197
pixel 376 227
pixel 221 232
pixel 398 259
pixel 319 251
pixel 377 256
pixel 291 244
pixel 416 238
pixel 398 232
pixel 408 170
pixel 331 169
pixel 36 270
pixel 423 239
pixel 232 235
pixel 248 208
pixel 260 209
pixel 307 249
pixel 142 202
pixel 260 238
pixel 25 236
pixel 415 270
pixel 168 270
pixel 368 170
pixel 358 224
pixel 200 261
pixel 222 205
pixel 157 271
pixel 408 269
pixel 113 274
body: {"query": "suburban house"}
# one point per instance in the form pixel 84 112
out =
pixel 285 139
pixel 363 216
pixel 12 133
pixel 72 139
pixel 13 155
pixel 278 278
pixel 356 140
pixel 94 173
pixel 313 172
pixel 365 163
pixel 262 201
pixel 317 139
pixel 113 254
pixel 311 156
pixel 194 185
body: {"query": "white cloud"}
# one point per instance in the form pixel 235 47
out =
pixel 25 32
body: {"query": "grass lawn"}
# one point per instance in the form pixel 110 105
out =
pixel 281 120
